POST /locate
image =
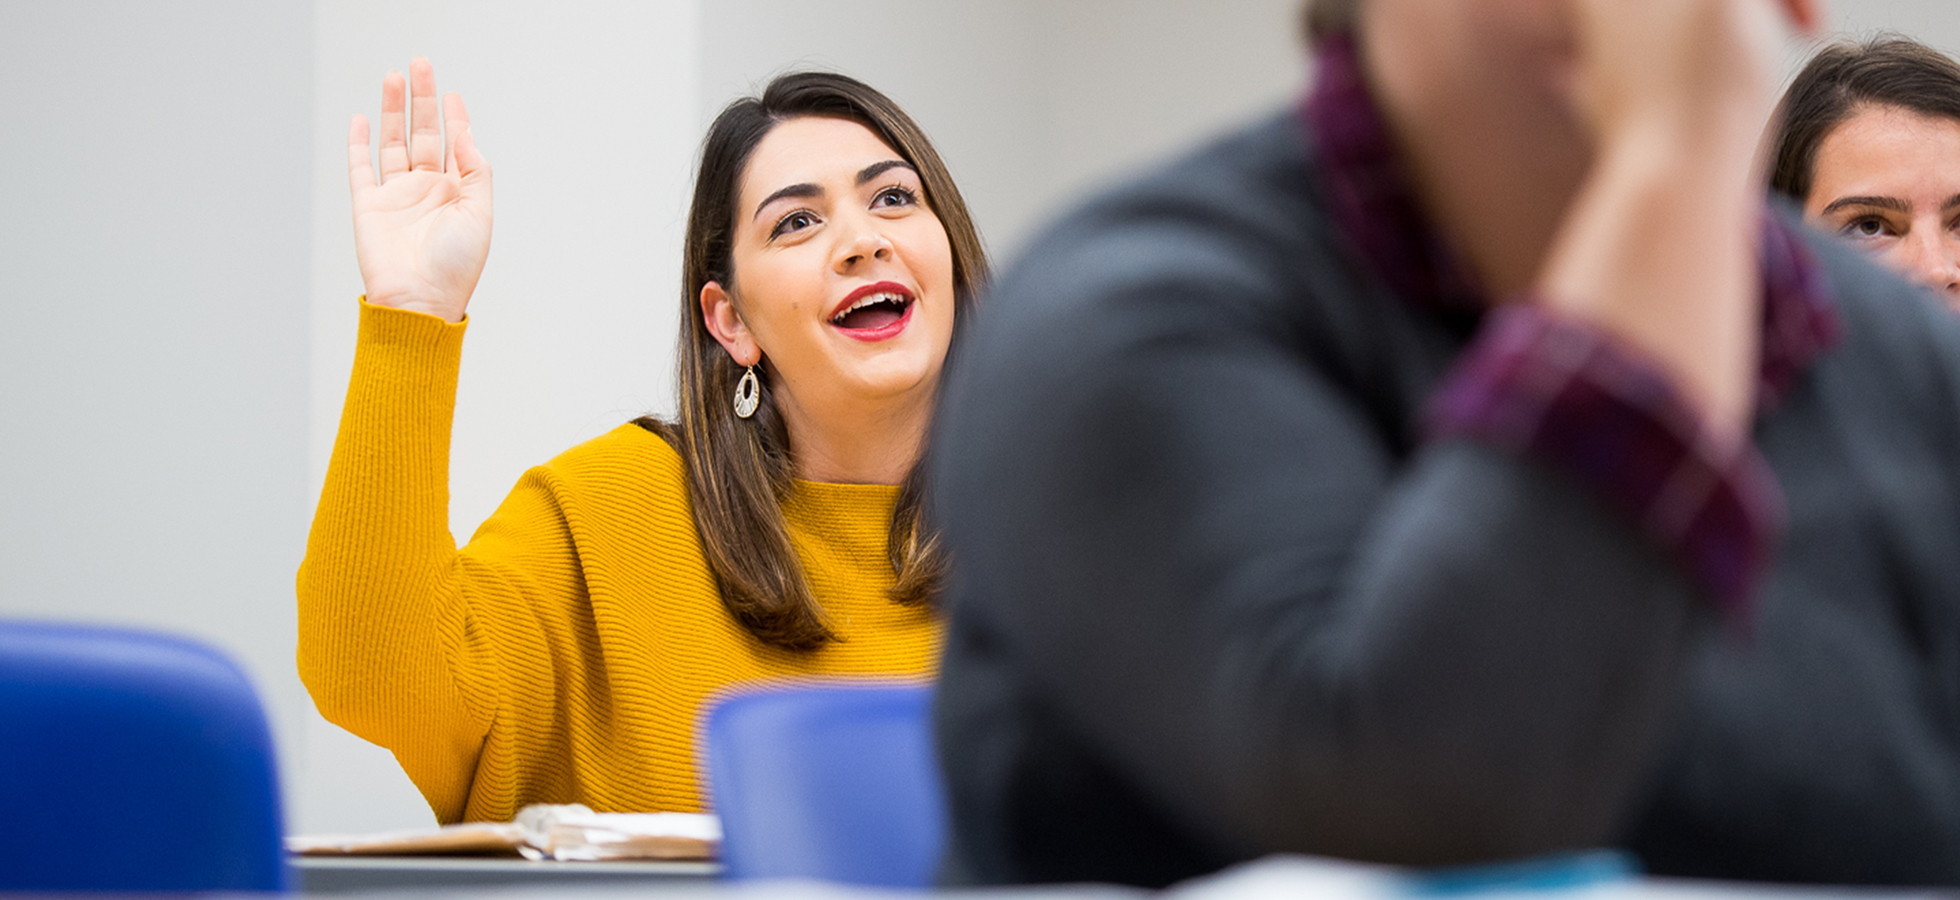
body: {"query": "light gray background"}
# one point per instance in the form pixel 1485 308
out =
pixel 178 279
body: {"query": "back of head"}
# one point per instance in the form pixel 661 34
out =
pixel 1890 70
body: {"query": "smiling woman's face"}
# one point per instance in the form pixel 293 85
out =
pixel 1889 180
pixel 843 276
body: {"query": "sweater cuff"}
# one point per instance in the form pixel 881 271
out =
pixel 405 362
pixel 402 342
pixel 1564 396
pixel 409 329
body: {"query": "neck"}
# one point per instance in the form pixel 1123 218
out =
pixel 858 443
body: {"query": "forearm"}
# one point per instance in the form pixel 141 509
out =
pixel 1659 251
pixel 378 601
pixel 1658 246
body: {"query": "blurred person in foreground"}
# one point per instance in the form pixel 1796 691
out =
pixel 1463 465
pixel 1869 145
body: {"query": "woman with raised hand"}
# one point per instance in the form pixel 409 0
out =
pixel 773 530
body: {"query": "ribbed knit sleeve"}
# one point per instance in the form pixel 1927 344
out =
pixel 566 653
pixel 380 618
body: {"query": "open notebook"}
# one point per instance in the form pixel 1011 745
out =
pixel 540 831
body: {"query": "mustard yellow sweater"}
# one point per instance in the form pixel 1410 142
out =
pixel 565 654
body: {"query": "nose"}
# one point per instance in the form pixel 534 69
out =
pixel 1947 279
pixel 1932 256
pixel 864 241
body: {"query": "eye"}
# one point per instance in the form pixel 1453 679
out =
pixel 796 221
pixel 1865 227
pixel 894 197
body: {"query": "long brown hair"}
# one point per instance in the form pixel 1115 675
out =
pixel 1886 71
pixel 739 470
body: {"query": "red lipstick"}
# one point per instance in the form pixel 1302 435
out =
pixel 874 312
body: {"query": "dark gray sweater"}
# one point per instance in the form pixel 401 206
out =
pixel 1215 598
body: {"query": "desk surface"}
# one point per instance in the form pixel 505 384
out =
pixel 1275 878
pixel 348 874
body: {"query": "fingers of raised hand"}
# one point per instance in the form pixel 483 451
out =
pixel 455 121
pixel 394 130
pixel 360 172
pixel 425 149
pixel 464 158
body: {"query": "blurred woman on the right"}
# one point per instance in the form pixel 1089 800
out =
pixel 1870 146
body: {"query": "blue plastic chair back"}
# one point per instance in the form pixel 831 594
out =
pixel 832 782
pixel 132 762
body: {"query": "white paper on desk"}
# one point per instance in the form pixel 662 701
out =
pixel 575 832
pixel 541 831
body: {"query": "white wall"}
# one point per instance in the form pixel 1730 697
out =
pixel 178 290
pixel 1935 22
pixel 154 166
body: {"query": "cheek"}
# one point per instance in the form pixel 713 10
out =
pixel 935 252
pixel 778 294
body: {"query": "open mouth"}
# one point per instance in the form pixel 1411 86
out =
pixel 874 308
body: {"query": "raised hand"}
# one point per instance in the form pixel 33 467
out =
pixel 1683 64
pixel 421 230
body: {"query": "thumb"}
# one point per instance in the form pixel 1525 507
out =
pixel 470 164
pixel 462 156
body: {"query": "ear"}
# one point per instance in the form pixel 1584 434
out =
pixel 718 313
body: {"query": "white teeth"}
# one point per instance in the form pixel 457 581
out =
pixel 868 300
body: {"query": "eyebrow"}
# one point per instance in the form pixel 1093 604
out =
pixel 806 189
pixel 879 168
pixel 1888 203
pixel 795 190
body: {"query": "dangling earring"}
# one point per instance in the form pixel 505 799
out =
pixel 748 394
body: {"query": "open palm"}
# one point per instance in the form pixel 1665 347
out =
pixel 422 229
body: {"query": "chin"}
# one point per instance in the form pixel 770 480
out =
pixel 892 378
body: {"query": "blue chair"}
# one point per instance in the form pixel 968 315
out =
pixel 131 762
pixel 833 782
